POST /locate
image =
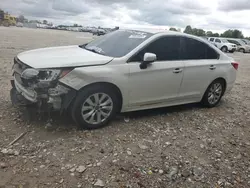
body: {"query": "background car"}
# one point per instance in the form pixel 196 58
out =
pixel 246 41
pixel 99 32
pixel 19 24
pixel 223 44
pixel 241 46
pixel 122 71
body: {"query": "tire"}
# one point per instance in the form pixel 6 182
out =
pixel 224 49
pixel 232 51
pixel 212 96
pixel 242 50
pixel 87 118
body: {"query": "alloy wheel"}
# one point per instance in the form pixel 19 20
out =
pixel 215 93
pixel 97 108
pixel 224 49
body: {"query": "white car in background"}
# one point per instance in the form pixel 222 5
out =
pixel 19 24
pixel 122 71
pixel 241 46
pixel 223 44
pixel 246 41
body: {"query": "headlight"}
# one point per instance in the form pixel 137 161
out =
pixel 44 74
pixel 49 74
pixel 29 73
pixel 53 74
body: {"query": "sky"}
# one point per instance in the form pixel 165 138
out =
pixel 213 15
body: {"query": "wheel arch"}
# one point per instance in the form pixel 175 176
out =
pixel 242 49
pixel 224 46
pixel 109 85
pixel 223 80
pixel 219 78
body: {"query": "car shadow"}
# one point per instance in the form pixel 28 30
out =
pixel 159 111
pixel 65 122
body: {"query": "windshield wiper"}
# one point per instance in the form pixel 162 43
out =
pixel 94 49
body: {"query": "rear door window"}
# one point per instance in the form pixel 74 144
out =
pixel 211 39
pixel 234 42
pixel 217 40
pixel 193 49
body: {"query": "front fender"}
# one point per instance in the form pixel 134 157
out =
pixel 114 74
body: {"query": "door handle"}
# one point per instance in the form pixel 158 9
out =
pixel 212 67
pixel 177 70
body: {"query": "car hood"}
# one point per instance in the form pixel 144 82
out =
pixel 231 44
pixel 59 57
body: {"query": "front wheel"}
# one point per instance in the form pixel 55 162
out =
pixel 224 49
pixel 213 93
pixel 94 107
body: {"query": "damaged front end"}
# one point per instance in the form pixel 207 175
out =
pixel 40 87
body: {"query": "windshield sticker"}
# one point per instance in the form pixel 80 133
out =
pixel 137 36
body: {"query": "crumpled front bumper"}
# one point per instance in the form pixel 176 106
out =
pixel 27 93
pixel 58 97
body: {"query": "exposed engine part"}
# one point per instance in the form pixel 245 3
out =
pixel 58 90
pixel 56 102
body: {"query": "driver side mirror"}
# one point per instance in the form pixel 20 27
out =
pixel 147 59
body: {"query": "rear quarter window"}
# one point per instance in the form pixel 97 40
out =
pixel 217 40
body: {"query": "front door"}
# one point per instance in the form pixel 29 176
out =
pixel 160 82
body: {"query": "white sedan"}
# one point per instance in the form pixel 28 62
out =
pixel 125 70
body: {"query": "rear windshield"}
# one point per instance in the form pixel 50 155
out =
pixel 118 43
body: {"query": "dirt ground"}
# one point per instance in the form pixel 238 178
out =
pixel 185 146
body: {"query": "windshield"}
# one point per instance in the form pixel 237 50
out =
pixel 224 40
pixel 117 43
pixel 244 41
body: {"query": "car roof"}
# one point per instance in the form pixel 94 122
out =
pixel 159 31
pixel 152 31
pixel 167 32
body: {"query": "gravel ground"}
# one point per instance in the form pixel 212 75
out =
pixel 185 146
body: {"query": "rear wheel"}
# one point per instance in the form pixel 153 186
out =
pixel 224 49
pixel 242 50
pixel 213 93
pixel 95 106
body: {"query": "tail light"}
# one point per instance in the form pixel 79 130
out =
pixel 235 65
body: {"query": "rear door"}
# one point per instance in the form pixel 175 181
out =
pixel 200 62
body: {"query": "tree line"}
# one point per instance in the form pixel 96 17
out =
pixel 230 33
pixel 22 19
